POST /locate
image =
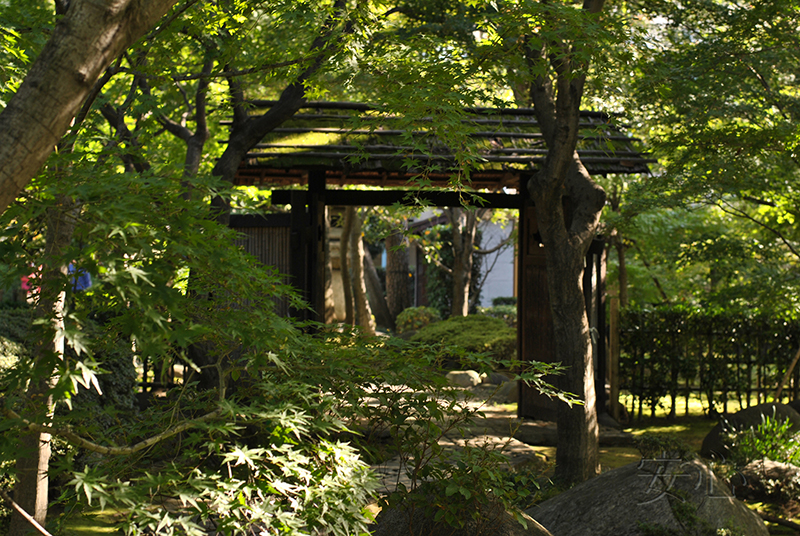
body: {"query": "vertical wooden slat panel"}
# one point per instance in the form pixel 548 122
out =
pixel 535 319
pixel 267 239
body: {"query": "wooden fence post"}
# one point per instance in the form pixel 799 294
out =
pixel 613 352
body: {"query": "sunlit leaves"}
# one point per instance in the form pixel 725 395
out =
pixel 717 96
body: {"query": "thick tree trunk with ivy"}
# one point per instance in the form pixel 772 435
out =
pixel 85 41
pixel 30 491
pixel 568 205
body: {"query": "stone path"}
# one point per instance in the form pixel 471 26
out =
pixel 504 432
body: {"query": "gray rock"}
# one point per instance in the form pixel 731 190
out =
pixel 617 502
pixel 507 393
pixel 795 405
pixel 714 445
pixel 494 521
pixel 464 378
pixel 496 378
pixel 767 480
pixel 545 434
pixel 604 419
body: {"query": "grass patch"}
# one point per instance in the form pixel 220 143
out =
pixel 93 523
pixel 613 457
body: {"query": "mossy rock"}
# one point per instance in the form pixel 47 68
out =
pixel 715 444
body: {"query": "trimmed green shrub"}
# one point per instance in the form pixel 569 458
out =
pixel 474 333
pixel 506 313
pixel 504 300
pixel 415 318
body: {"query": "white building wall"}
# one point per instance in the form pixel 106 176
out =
pixel 500 282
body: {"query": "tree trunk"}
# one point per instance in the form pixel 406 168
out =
pixel 363 311
pixel 623 271
pixel 377 299
pixel 397 294
pixel 614 200
pixel 33 461
pixel 84 42
pixel 464 224
pixel 330 309
pixel 344 259
pixel 577 451
pixel 566 234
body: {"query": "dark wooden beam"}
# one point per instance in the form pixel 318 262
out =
pixel 370 198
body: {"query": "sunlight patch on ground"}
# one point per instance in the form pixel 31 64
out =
pixel 674 429
pixel 613 457
pixel 94 523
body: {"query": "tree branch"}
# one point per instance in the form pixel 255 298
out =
pixel 502 243
pixel 113 450
pixel 230 73
pixel 84 43
pixel 733 211
pixel 432 259
pixel 650 270
pixel 778 521
pixel 21 511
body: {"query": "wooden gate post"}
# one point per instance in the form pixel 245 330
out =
pixel 308 243
pixel 535 337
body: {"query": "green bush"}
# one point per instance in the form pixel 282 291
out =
pixel 474 333
pixel 504 300
pixel 773 439
pixel 415 318
pixel 506 313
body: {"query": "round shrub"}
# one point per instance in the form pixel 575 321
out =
pixel 415 318
pixel 506 313
pixel 474 333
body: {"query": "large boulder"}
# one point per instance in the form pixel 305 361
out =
pixel 767 480
pixel 464 378
pixel 714 444
pixel 493 521
pixel 659 493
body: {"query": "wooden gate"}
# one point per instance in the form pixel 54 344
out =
pixel 535 320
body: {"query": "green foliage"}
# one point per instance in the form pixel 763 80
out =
pixel 507 313
pixel 15 324
pixel 411 409
pixel 664 348
pixel 474 333
pixel 714 93
pixel 439 283
pixel 415 318
pixel 685 513
pixel 772 439
pixel 504 301
pixel 268 448
pixel 657 446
